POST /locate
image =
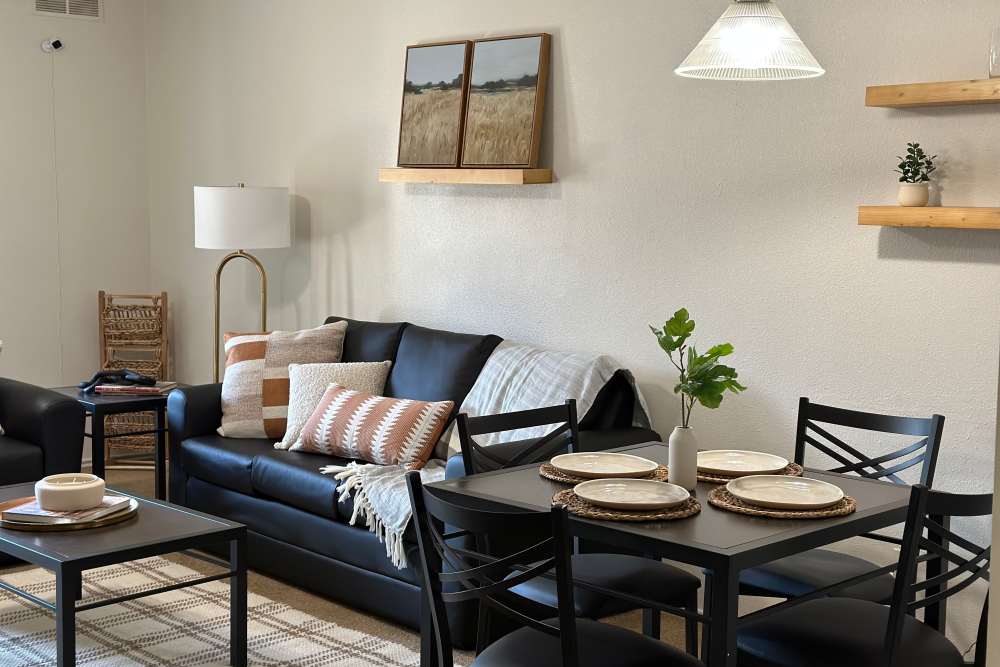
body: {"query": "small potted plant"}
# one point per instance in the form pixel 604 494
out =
pixel 914 171
pixel 702 380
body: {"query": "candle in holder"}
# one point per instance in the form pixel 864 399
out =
pixel 69 492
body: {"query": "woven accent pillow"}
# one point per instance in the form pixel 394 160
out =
pixel 255 387
pixel 386 431
pixel 308 383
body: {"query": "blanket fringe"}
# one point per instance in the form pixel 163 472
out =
pixel 350 474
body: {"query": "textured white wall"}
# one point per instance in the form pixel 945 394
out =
pixel 85 162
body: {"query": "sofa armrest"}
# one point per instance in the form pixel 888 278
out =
pixel 193 411
pixel 45 418
pixel 590 441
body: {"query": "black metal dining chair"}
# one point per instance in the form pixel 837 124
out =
pixel 811 570
pixel 452 573
pixel 621 574
pixel 824 631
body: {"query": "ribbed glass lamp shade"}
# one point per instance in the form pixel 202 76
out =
pixel 751 42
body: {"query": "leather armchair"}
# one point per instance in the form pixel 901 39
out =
pixel 43 432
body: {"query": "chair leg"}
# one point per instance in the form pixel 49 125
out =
pixel 709 611
pixel 691 626
pixel 651 623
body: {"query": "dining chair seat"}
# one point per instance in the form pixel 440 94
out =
pixel 600 645
pixel 633 575
pixel 834 632
pixel 809 571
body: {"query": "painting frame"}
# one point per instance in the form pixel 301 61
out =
pixel 538 109
pixel 463 97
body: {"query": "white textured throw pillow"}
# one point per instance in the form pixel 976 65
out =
pixel 308 383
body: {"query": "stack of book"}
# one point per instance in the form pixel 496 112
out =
pixel 31 512
pixel 159 389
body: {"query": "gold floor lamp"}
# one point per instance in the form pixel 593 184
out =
pixel 238 217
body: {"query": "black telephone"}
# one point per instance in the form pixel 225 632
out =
pixel 122 377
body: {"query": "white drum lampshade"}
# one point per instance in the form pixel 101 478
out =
pixel 231 217
pixel 752 41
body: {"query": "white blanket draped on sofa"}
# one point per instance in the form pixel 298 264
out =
pixel 515 377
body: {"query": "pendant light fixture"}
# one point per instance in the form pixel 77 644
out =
pixel 752 41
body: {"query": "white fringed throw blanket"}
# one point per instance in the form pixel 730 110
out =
pixel 381 499
pixel 515 377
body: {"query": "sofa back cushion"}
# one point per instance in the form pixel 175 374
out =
pixel 370 341
pixel 435 365
pixel 386 431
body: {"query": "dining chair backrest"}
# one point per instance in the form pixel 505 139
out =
pixel 453 573
pixel 925 537
pixel 811 431
pixel 477 459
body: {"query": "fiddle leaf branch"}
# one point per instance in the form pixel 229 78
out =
pixel 702 377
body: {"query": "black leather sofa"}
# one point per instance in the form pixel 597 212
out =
pixel 43 432
pixel 298 531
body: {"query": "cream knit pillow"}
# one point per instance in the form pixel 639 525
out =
pixel 308 383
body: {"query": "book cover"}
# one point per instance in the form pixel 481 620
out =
pixel 136 390
pixel 31 512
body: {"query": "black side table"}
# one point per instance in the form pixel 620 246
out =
pixel 99 406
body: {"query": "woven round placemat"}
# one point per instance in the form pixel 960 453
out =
pixel 791 470
pixel 581 507
pixel 722 499
pixel 549 471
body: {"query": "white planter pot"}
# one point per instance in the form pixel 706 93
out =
pixel 683 458
pixel 913 194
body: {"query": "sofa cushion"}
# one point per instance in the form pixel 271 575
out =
pixel 433 365
pixel 20 461
pixel 294 478
pixel 355 545
pixel 370 341
pixel 223 461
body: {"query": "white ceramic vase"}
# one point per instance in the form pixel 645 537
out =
pixel 683 458
pixel 913 194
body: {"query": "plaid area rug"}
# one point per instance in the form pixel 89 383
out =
pixel 182 628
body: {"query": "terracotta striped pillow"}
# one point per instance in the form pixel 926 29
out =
pixel 387 431
pixel 255 387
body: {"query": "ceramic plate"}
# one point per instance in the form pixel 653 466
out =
pixel 631 494
pixel 739 462
pixel 602 465
pixel 786 493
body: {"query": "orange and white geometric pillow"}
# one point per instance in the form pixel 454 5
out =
pixel 385 431
pixel 255 386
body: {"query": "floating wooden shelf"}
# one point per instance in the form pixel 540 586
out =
pixel 930 216
pixel 465 176
pixel 942 93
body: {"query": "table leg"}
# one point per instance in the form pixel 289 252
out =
pixel 238 602
pixel 97 444
pixel 161 453
pixel 723 612
pixel 67 588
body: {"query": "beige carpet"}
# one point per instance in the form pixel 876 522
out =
pixel 325 610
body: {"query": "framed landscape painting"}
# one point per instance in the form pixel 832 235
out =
pixel 430 128
pixel 503 121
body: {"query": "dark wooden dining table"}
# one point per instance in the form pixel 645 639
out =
pixel 720 541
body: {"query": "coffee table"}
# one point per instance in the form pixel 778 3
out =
pixel 159 528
